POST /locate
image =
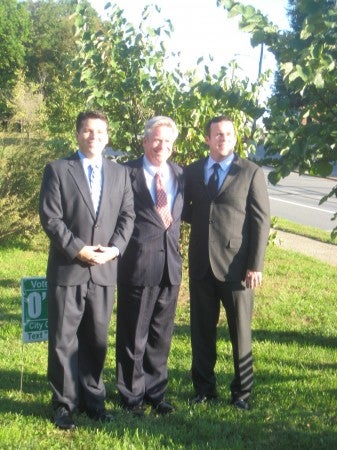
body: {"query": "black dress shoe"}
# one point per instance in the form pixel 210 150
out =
pixel 135 410
pixel 100 415
pixel 163 408
pixel 63 419
pixel 240 403
pixel 202 398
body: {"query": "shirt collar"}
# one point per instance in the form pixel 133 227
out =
pixel 223 164
pixel 90 162
pixel 152 170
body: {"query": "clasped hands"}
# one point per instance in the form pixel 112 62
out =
pixel 97 254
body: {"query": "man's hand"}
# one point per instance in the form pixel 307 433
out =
pixel 253 279
pixel 97 254
pixel 105 254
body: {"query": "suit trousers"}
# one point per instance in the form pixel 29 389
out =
pixel 145 319
pixel 206 295
pixel 79 318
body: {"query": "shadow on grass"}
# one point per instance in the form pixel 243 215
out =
pixel 32 383
pixel 9 317
pixel 216 425
pixel 26 401
pixel 8 312
pixel 10 308
pixel 287 337
pixel 201 431
pixel 36 408
pixel 280 337
pixel 10 283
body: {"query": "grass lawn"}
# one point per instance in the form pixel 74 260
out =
pixel 304 230
pixel 295 396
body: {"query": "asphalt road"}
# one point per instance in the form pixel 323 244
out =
pixel 296 198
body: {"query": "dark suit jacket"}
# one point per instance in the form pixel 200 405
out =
pixel 229 234
pixel 144 259
pixel 68 217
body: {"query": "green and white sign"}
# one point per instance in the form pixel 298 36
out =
pixel 34 309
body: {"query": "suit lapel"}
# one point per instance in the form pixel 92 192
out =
pixel 140 189
pixel 77 172
pixel 177 202
pixel 106 185
pixel 139 183
pixel 233 171
pixel 200 175
pixel 232 174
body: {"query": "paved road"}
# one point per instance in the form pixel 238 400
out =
pixel 296 198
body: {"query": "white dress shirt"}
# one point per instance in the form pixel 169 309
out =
pixel 168 180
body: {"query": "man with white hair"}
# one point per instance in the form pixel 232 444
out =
pixel 149 273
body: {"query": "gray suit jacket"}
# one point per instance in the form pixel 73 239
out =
pixel 151 246
pixel 68 217
pixel 230 233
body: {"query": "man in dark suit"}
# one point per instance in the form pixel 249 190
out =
pixel 149 273
pixel 226 203
pixel 86 209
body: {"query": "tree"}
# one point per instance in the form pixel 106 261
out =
pixel 302 122
pixel 14 30
pixel 122 71
pixel 51 46
pixel 27 105
pixel 21 168
pixel 51 50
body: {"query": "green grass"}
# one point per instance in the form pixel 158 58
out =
pixel 294 401
pixel 303 230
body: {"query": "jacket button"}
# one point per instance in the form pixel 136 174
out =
pixel 211 221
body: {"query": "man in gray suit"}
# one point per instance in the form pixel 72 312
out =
pixel 226 203
pixel 149 273
pixel 86 209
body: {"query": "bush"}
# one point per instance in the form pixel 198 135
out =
pixel 21 168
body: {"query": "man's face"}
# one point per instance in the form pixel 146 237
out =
pixel 158 145
pixel 92 137
pixel 222 140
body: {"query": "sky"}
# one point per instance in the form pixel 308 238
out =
pixel 202 29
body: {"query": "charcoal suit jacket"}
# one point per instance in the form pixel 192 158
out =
pixel 229 233
pixel 68 217
pixel 151 246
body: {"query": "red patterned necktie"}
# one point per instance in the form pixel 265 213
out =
pixel 161 201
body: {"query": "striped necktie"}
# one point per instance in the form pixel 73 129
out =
pixel 161 201
pixel 95 185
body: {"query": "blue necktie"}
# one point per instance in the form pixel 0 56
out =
pixel 213 182
pixel 95 185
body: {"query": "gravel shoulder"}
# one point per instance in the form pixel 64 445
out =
pixel 310 247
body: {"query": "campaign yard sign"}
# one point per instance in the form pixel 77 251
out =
pixel 34 309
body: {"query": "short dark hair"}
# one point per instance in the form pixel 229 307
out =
pixel 85 115
pixel 216 120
